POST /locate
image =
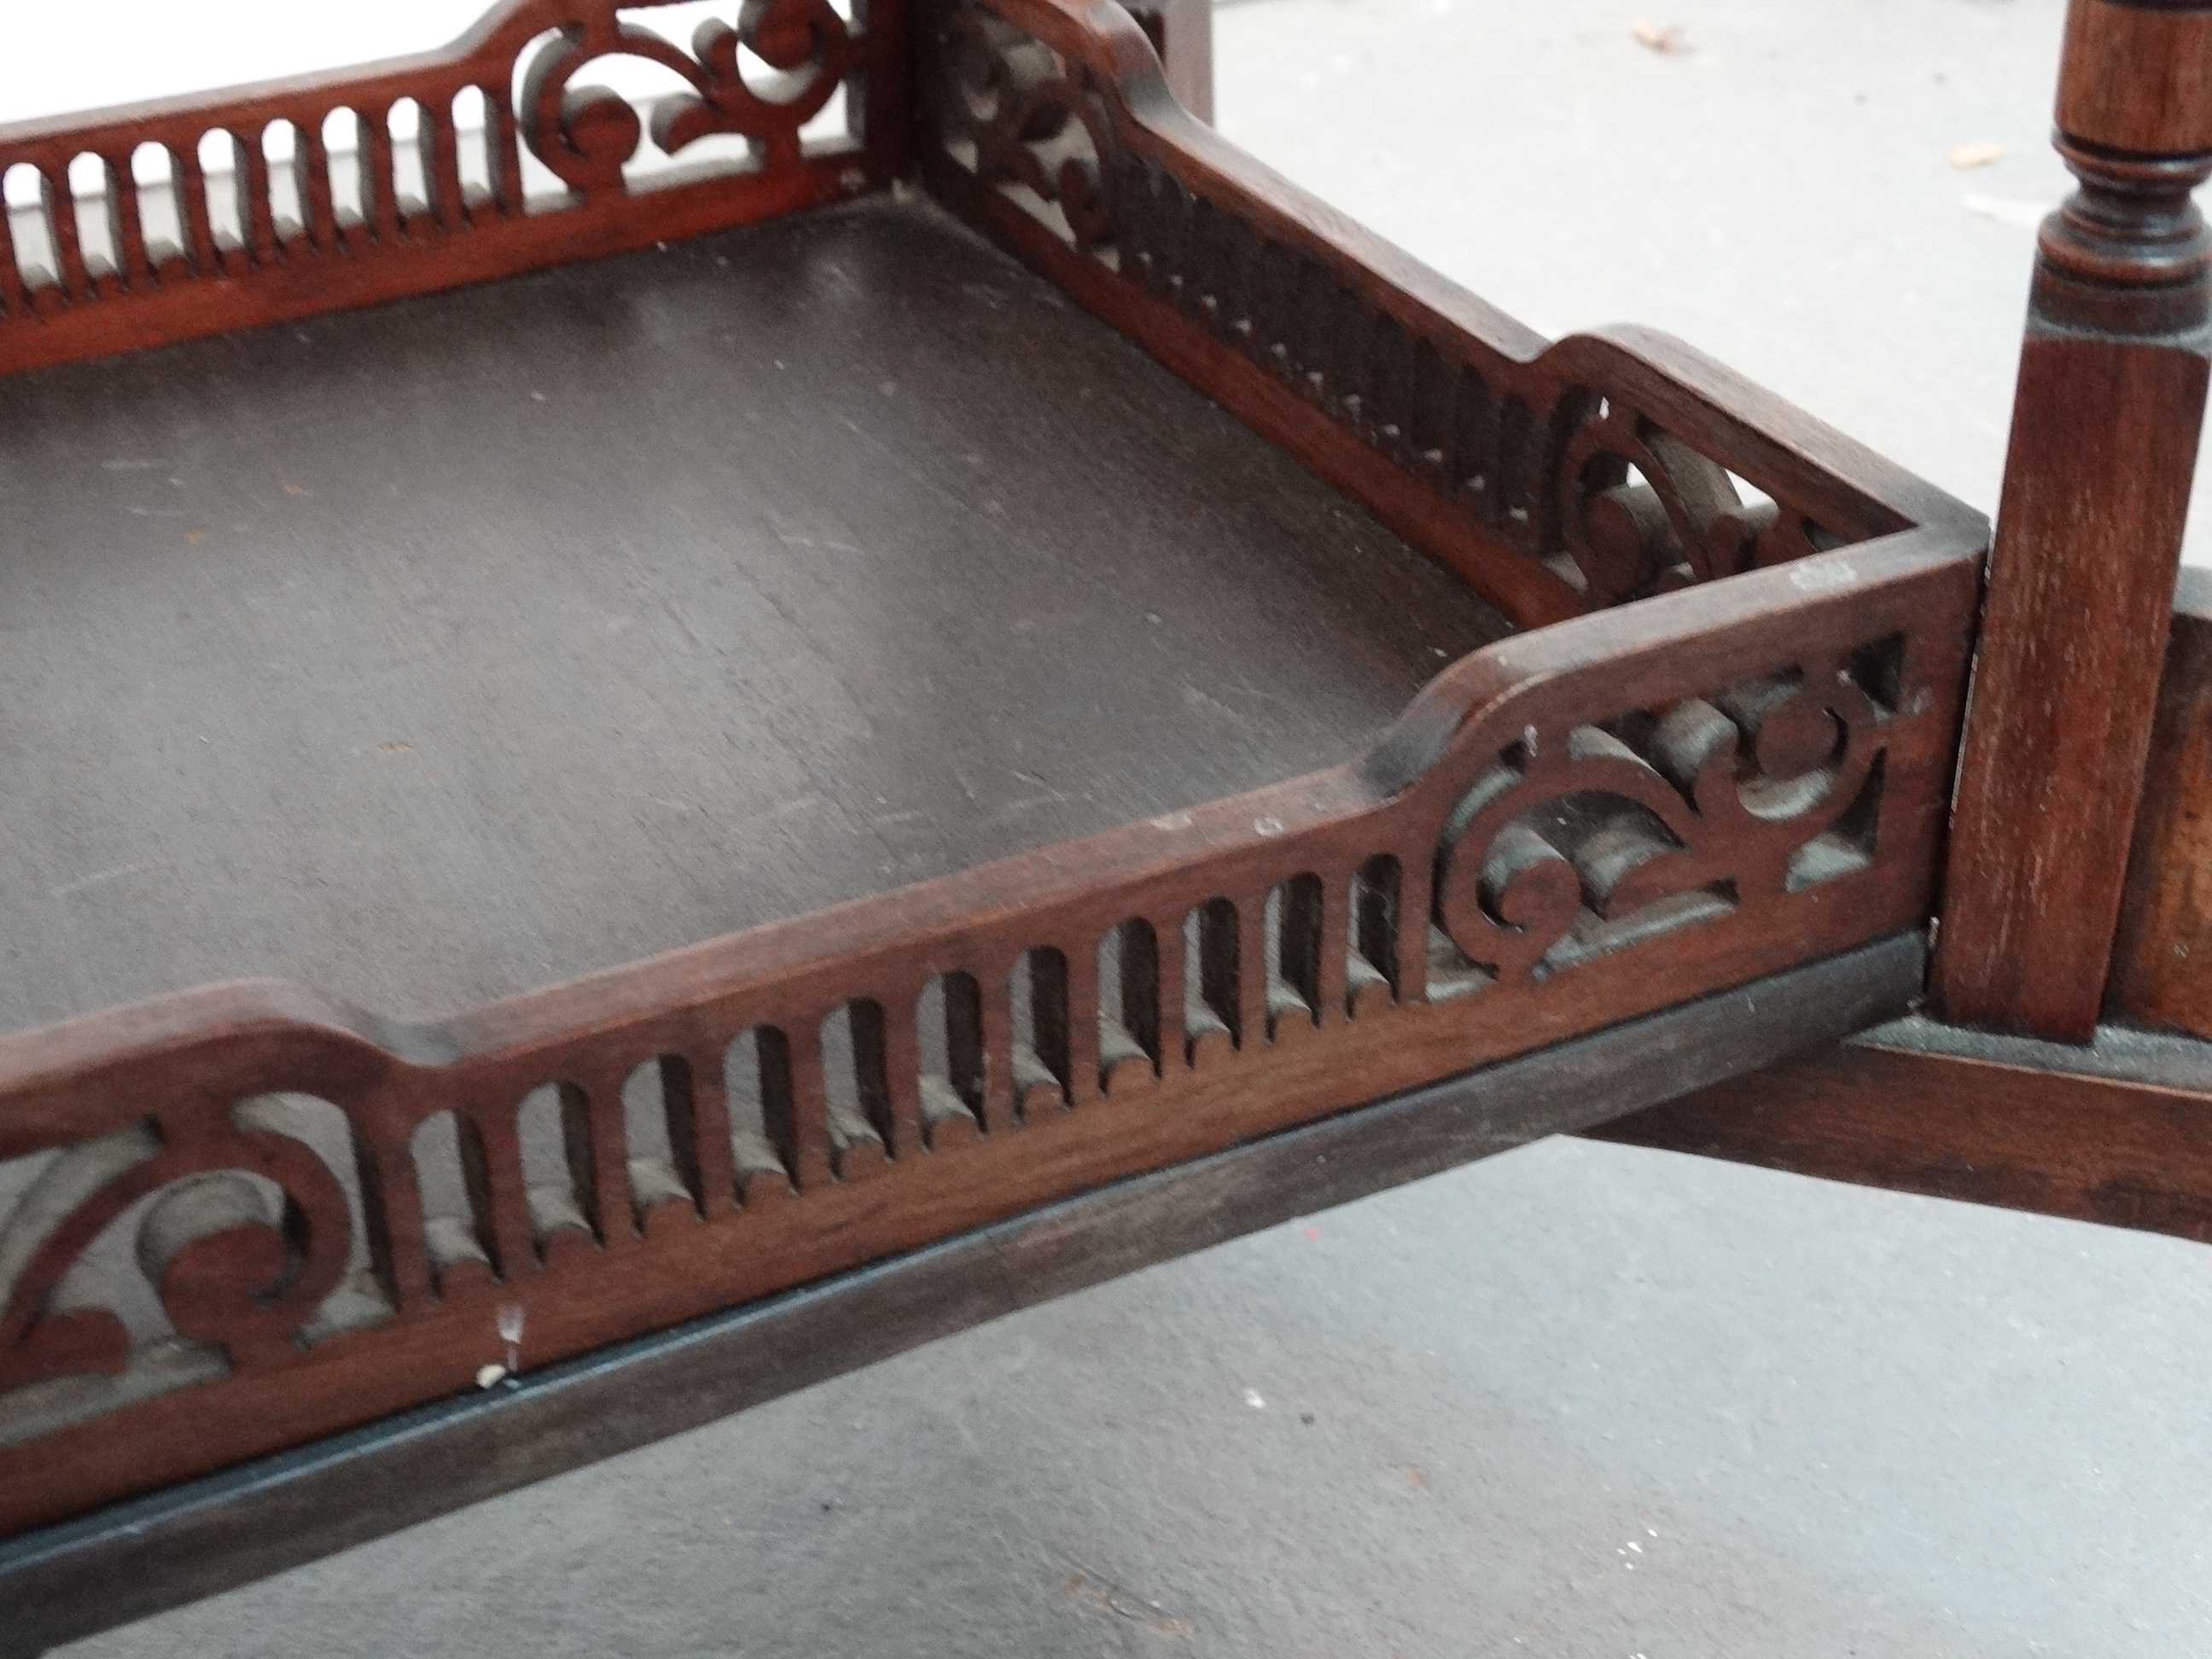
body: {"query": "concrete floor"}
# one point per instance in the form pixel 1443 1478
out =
pixel 1577 1401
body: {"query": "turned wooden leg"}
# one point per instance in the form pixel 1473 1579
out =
pixel 2104 444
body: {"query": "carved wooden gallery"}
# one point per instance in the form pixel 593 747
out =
pixel 756 596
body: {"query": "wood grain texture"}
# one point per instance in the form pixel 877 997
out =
pixel 323 197
pixel 311 1217
pixel 2082 587
pixel 206 1536
pixel 2105 425
pixel 522 633
pixel 2162 958
pixel 1553 479
pixel 2119 1132
pixel 1563 831
pixel 2138 76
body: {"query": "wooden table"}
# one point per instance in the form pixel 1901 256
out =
pixel 947 743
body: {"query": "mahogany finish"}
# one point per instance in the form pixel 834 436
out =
pixel 1728 755
pixel 2138 76
pixel 207 1535
pixel 2118 1134
pixel 186 217
pixel 2162 962
pixel 1727 752
pixel 1552 478
pixel 2104 433
pixel 528 630
pixel 2070 717
pixel 1603 819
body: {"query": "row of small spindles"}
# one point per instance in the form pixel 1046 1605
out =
pixel 223 202
pixel 590 1161
pixel 1282 308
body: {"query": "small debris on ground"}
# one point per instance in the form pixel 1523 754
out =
pixel 489 1376
pixel 2028 216
pixel 1665 38
pixel 1109 1597
pixel 1964 158
pixel 1252 1399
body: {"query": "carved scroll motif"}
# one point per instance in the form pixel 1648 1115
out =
pixel 239 1234
pixel 1591 840
pixel 568 1169
pixel 1641 512
pixel 1475 906
pixel 585 134
pixel 1022 123
pixel 1570 476
pixel 314 193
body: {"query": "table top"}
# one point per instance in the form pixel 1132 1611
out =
pixel 430 653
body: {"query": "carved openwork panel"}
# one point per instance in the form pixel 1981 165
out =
pixel 553 130
pixel 190 1245
pixel 236 1219
pixel 1595 838
pixel 1554 458
pixel 241 1217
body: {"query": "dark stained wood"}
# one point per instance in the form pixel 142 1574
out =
pixel 1552 478
pixel 1731 757
pixel 2119 1132
pixel 1581 800
pixel 2105 433
pixel 2138 76
pixel 229 262
pixel 206 1536
pixel 523 633
pixel 2162 959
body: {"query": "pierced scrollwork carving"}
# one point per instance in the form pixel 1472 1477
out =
pixel 1641 512
pixel 1560 836
pixel 1016 115
pixel 1562 472
pixel 585 134
pixel 509 150
pixel 1581 843
pixel 247 1236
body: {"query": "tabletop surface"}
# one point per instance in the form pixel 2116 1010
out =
pixel 434 652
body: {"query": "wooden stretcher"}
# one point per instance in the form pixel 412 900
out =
pixel 666 743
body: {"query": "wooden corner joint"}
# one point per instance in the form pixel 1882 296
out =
pixel 1745 769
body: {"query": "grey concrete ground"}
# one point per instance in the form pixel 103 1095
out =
pixel 1578 1400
